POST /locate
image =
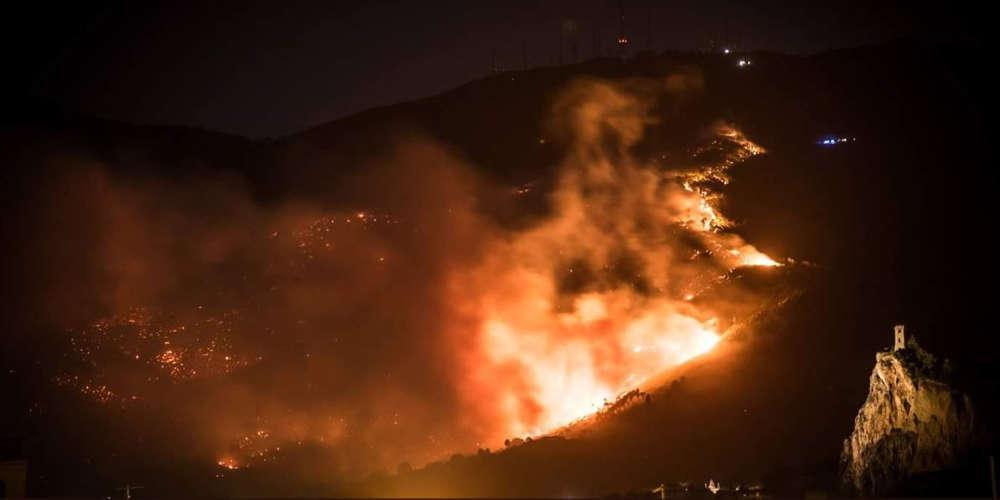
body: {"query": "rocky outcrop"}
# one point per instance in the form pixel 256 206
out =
pixel 912 422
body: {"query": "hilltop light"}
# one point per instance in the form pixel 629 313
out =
pixel 833 141
pixel 744 63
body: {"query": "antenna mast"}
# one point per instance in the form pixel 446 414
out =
pixel 622 39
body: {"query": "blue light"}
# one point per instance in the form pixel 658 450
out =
pixel 833 141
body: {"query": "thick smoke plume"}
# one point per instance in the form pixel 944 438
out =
pixel 404 330
pixel 602 294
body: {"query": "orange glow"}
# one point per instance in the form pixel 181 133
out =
pixel 427 327
pixel 565 328
pixel 758 259
pixel 750 256
pixel 584 358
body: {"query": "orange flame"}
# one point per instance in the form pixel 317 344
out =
pixel 598 297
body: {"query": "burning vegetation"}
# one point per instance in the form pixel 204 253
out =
pixel 415 326
pixel 603 293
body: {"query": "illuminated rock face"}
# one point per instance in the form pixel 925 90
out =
pixel 911 423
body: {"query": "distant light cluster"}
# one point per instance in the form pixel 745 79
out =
pixel 833 141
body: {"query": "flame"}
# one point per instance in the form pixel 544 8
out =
pixel 586 357
pixel 601 295
pixel 627 275
pixel 757 258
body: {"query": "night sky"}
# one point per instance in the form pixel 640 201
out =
pixel 272 68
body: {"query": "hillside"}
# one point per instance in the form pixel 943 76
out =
pixel 890 226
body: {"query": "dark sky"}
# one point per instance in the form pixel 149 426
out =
pixel 267 68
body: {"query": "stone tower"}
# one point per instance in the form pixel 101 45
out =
pixel 900 337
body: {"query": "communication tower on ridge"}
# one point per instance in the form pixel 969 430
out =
pixel 622 38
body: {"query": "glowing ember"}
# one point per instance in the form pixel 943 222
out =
pixel 340 329
pixel 597 298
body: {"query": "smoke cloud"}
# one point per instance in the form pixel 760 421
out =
pixel 405 329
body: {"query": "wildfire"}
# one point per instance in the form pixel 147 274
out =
pixel 598 298
pixel 628 274
pixel 756 258
pixel 604 347
pixel 574 372
pixel 141 338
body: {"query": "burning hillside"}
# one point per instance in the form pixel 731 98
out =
pixel 410 328
pixel 605 291
pixel 283 317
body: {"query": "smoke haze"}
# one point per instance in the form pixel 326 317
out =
pixel 348 339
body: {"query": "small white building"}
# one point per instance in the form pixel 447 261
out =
pixel 900 338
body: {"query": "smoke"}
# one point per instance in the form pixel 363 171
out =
pixel 300 324
pixel 403 330
pixel 602 294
